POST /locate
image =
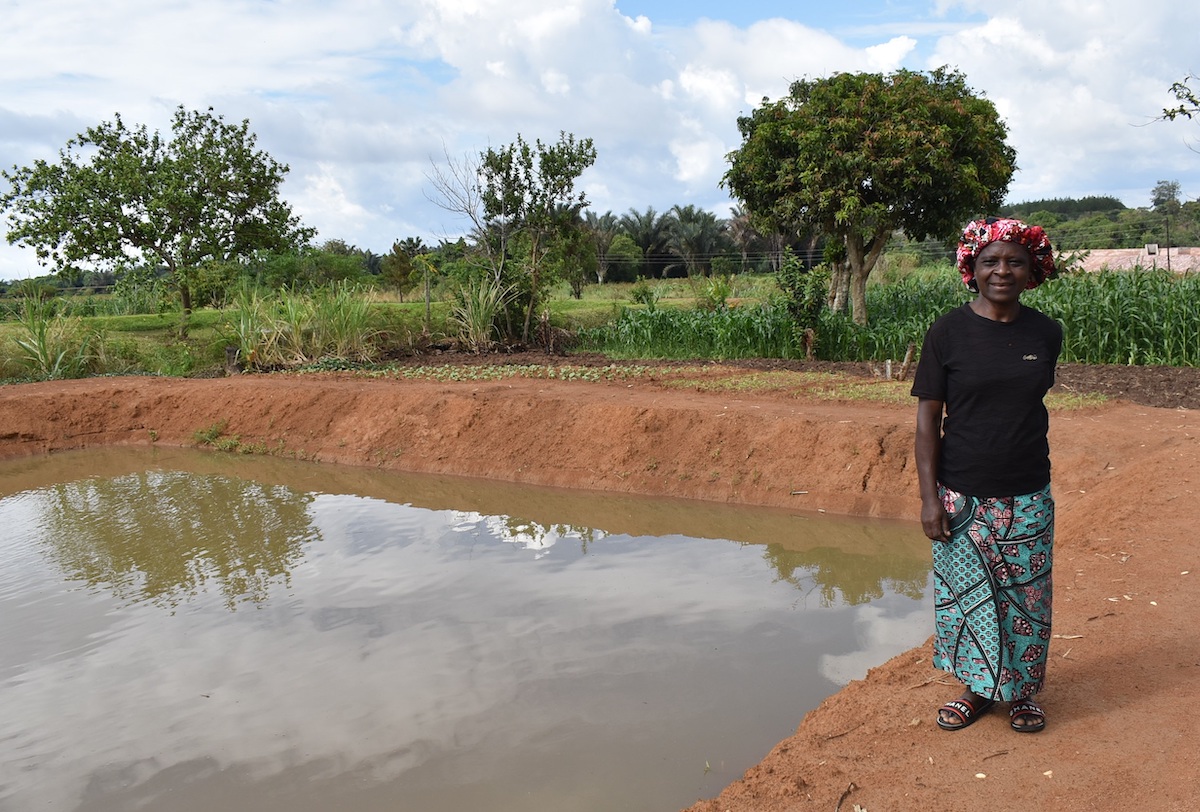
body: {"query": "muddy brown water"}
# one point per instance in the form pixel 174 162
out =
pixel 182 630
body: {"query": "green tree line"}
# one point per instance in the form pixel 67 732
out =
pixel 838 172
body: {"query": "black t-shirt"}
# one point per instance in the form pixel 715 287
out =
pixel 992 377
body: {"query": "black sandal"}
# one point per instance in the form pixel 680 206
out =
pixel 966 709
pixel 1027 709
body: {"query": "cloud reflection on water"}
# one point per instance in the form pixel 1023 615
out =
pixel 399 642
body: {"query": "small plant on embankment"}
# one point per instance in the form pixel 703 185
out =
pixel 215 436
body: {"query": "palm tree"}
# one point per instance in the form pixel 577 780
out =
pixel 743 234
pixel 602 229
pixel 412 246
pixel 696 236
pixel 649 231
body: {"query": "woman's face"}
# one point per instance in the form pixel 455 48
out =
pixel 1002 270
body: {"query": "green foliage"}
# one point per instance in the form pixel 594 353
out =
pixel 1140 317
pixel 477 311
pixel 1126 317
pixel 901 313
pixel 211 435
pixel 530 189
pixel 176 357
pixel 624 259
pixel 714 293
pixel 51 346
pixel 859 156
pixel 695 236
pixel 295 328
pixel 804 290
pixel 571 257
pixel 1188 98
pixel 1164 197
pixel 763 331
pixel 342 323
pixel 207 194
pixel 644 293
pixel 648 231
pixel 138 290
pixel 397 269
pixel 601 230
pixel 1066 206
pixel 307 268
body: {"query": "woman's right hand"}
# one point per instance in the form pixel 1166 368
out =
pixel 934 520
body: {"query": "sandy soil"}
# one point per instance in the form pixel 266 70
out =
pixel 1124 674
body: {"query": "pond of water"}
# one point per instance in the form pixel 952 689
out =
pixel 192 631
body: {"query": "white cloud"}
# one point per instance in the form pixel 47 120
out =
pixel 890 55
pixel 363 94
pixel 1080 85
pixel 879 636
pixel 697 155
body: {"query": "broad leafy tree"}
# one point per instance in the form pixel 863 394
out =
pixel 531 188
pixel 116 194
pixel 624 259
pixel 858 156
pixel 573 255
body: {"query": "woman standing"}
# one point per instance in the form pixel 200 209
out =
pixel 983 464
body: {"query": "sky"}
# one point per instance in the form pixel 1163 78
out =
pixel 365 99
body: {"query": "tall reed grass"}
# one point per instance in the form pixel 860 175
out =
pixel 293 328
pixel 50 345
pixel 477 308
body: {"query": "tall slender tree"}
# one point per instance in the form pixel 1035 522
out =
pixel 743 234
pixel 603 229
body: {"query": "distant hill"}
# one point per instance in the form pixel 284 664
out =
pixel 1069 206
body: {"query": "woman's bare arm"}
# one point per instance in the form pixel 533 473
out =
pixel 934 521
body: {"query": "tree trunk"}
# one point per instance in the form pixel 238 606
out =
pixel 862 258
pixel 858 295
pixel 839 287
pixel 428 305
pixel 185 301
pixel 534 274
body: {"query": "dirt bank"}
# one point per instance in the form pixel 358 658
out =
pixel 1125 664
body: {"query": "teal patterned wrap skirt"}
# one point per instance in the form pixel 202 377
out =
pixel 992 592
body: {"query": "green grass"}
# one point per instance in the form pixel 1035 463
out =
pixel 1140 317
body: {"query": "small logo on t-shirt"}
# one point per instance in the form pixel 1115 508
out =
pixel 1029 357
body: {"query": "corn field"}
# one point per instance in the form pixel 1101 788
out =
pixel 1141 318
pixel 763 331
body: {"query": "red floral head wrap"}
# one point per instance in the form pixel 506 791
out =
pixel 979 233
